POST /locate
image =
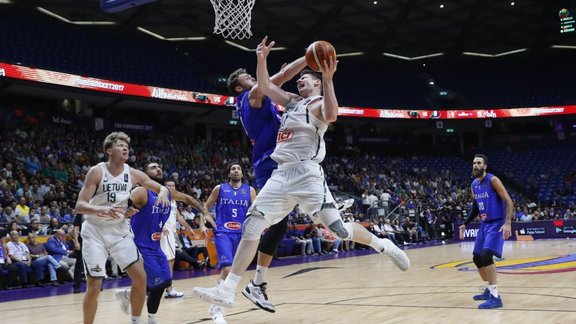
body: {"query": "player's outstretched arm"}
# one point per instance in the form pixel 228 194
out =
pixel 144 180
pixel 289 71
pixel 330 105
pixel 266 86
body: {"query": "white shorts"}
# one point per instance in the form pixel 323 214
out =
pixel 299 183
pixel 168 245
pixel 99 240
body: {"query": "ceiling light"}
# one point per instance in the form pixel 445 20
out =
pixel 244 48
pixel 564 46
pixel 406 58
pixel 54 15
pixel 172 39
pixel 441 6
pixel 375 2
pixel 495 55
pixel 350 54
pixel 512 3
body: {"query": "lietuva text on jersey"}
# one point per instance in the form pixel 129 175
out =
pixel 106 187
pixel 301 134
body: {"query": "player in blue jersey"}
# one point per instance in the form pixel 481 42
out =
pixel 261 121
pixel 147 223
pixel 495 208
pixel 232 200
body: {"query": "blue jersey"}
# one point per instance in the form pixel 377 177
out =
pixel 261 126
pixel 147 224
pixel 490 205
pixel 231 208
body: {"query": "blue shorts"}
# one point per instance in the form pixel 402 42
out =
pixel 226 246
pixel 263 173
pixel 156 268
pixel 490 238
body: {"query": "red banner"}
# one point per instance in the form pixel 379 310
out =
pixel 130 89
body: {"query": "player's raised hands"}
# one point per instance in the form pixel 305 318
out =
pixel 262 50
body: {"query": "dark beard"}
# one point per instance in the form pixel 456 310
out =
pixel 159 180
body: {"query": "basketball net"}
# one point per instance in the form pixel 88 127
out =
pixel 232 18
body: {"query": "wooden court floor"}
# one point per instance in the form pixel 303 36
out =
pixel 536 281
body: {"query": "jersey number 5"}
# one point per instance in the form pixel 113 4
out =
pixel 234 213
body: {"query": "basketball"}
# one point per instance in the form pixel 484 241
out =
pixel 317 52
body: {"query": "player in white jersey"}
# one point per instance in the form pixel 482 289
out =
pixel 168 240
pixel 299 178
pixel 103 200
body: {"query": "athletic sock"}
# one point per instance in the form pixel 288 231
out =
pixel 232 281
pixel 377 244
pixel 493 290
pixel 135 320
pixel 260 276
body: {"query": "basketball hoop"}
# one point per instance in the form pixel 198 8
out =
pixel 232 18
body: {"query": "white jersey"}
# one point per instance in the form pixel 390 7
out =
pixel 171 222
pixel 301 134
pixel 111 191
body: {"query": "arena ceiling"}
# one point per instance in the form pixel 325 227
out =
pixel 404 29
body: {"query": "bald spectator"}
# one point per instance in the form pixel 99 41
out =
pixel 58 248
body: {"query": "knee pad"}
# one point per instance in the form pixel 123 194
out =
pixel 330 217
pixel 341 229
pixel 477 261
pixel 254 225
pixel 487 258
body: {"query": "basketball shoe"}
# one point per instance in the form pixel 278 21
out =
pixel 483 296
pixel 257 294
pixel 218 315
pixel 123 295
pixel 218 295
pixel 173 293
pixel 398 256
pixel 492 302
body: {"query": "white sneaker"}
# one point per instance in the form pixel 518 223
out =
pixel 123 295
pixel 217 313
pixel 398 256
pixel 257 294
pixel 219 295
pixel 173 294
pixel 152 321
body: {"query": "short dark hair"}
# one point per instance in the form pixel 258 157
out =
pixel 234 80
pixel 316 75
pixel 483 157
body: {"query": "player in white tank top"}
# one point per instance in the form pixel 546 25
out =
pixel 103 199
pixel 113 190
pixel 299 178
pixel 301 134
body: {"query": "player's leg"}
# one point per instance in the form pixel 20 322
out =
pixel 94 255
pixel 478 261
pixel 126 254
pixel 493 246
pixel 158 278
pixel 273 205
pixel 256 289
pixel 168 246
pixel 316 199
pixel 330 218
